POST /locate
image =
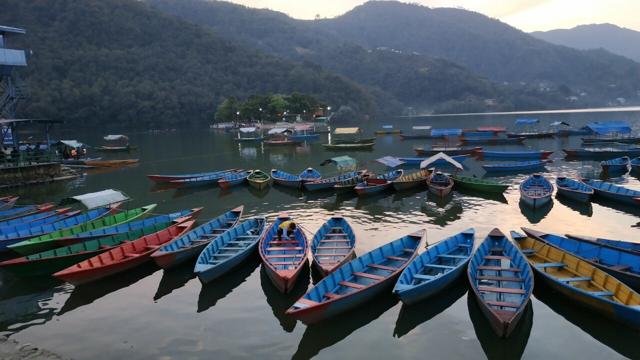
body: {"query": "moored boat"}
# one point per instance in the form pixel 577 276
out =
pixel 387 130
pixel 451 151
pixel 259 179
pixel 209 179
pixel 580 281
pixel 496 140
pixel 330 182
pixel 502 282
pixel 574 189
pixel 602 153
pixel 626 245
pixel 416 161
pixel 332 245
pixel 189 245
pixel 478 184
pixel 285 179
pixel 170 178
pixel 349 146
pixel 513 155
pixel 20 214
pixel 436 268
pixel 515 166
pixel 536 191
pixel 418 132
pixel 348 185
pixel 111 163
pixel 440 184
pixel 411 180
pixel 357 281
pixel 616 165
pixel 532 134
pixel 310 174
pixel 8 202
pixel 635 165
pixel 230 180
pixel 48 217
pixel 377 184
pixel 613 192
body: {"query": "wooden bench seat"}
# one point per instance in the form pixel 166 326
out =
pixel 282 256
pixel 396 258
pixel 502 304
pixel 369 276
pixel 497 268
pixel 352 285
pixel 499 278
pixel 501 290
pixel 497 257
pixel 331 296
pixel 285 248
pixel 382 267
pixel 575 279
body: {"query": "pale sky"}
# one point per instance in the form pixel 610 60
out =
pixel 527 15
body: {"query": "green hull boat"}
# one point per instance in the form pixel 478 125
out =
pixel 477 184
pixel 49 241
pixel 51 261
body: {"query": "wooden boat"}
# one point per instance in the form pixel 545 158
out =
pixel 580 281
pixel 515 155
pixel 478 184
pixel 230 180
pixel 623 264
pixel 536 191
pixel 50 261
pixel 357 281
pixel 635 165
pixel 515 166
pixel 614 192
pixel 600 153
pixel 229 250
pixel 250 139
pixel 188 246
pixel 7 202
pixel 574 189
pixel 76 218
pixel 170 178
pixel 451 151
pixel 22 213
pixel 304 137
pixel 491 140
pixel 501 281
pixel 49 241
pixel 310 174
pixel 532 134
pixel 611 139
pixel 416 161
pixel 412 180
pixel 284 259
pixel 572 132
pixel 440 184
pixel 286 179
pixel 329 183
pixel 49 217
pixel 616 165
pixel 419 132
pixel 377 184
pixel 354 141
pixel 112 163
pixel 333 245
pixel 259 179
pixel 492 129
pixel 117 148
pixel 349 146
pixel 625 245
pixel 78 162
pixel 210 179
pixel 121 258
pixel 282 142
pixel 436 268
pixel 388 130
pixel 348 185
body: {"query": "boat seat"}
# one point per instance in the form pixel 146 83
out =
pixel 496 250
pixel 333 241
pixel 449 256
pixel 499 278
pixel 231 248
pixel 246 237
pixel 550 265
pixel 352 285
pixel 465 245
pixel 620 267
pixel 497 268
pixel 501 290
pixel 368 276
pixel 382 267
pixel 436 266
pixel 276 263
pixel 222 255
pixel 411 251
pixel 396 258
pixel 131 255
pixel 602 293
pixel 275 256
pixel 240 242
pixel 424 277
pixel 334 234
pixel 200 241
pixel 497 257
pixel 575 279
pixel 337 229
pixel 275 248
pixel 502 304
pixel 304 303
pixel 331 296
pixel 528 251
pixel 332 247
pixel 283 242
pixel 152 247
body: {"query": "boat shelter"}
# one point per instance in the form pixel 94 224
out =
pixel 347 131
pixel 446 132
pixel 526 121
pixel 610 127
pixel 439 158
pixel 97 199
pixel 390 161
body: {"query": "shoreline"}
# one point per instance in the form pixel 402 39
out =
pixel 532 112
pixel 13 350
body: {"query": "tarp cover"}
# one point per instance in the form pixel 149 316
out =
pixel 116 137
pixel 304 127
pixel 390 161
pixel 72 143
pixel 446 132
pixel 387 127
pixel 527 121
pixel 425 164
pixel 344 163
pixel 98 199
pixel 558 123
pixel 347 131
pixel 609 127
pixel 277 131
pixel 247 130
pixel 421 127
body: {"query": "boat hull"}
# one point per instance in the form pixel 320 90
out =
pixel 480 187
pixel 405 185
pixel 296 184
pixel 441 191
pixel 574 195
pixel 215 272
pixel 284 280
pixel 260 185
pixel 91 275
pixel 167 260
pixel 418 294
pixel 536 202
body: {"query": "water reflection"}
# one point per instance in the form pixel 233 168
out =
pixel 339 201
pixel 329 332
pixel 613 334
pixel 536 215
pixel 173 279
pixel 583 208
pixel 623 207
pixel 483 195
pixel 259 193
pixel 216 290
pixel 494 346
pixel 411 316
pixel 442 213
pixel 280 302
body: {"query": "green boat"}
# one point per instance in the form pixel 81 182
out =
pixel 49 241
pixel 477 184
pixel 259 179
pixel 51 261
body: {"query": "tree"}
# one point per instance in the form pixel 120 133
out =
pixel 227 110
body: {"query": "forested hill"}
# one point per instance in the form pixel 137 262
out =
pixel 101 62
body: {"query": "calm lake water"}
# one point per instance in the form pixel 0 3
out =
pixel 154 314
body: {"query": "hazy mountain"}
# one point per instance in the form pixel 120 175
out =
pixel 618 40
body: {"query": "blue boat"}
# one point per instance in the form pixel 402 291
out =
pixel 230 249
pixel 514 155
pixel 234 179
pixel 310 174
pixel 574 189
pixel 623 264
pixel 15 237
pixel 32 216
pixel 436 268
pixel 602 153
pixel 328 183
pixel 515 166
pixel 536 191
pixel 501 281
pixel 357 281
pixel 613 192
pixel 304 137
pixel 174 177
pixel 635 165
pixel 616 165
pixel 626 245
pixel 188 246
pixel 333 245
pixel 377 184
pixel 416 161
pixel 17 211
pixel 202 180
pixel 20 227
pixel 285 179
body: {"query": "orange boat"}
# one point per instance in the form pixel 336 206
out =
pixel 111 163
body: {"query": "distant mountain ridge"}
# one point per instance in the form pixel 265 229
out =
pixel 618 40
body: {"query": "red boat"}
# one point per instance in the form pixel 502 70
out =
pixel 123 257
pixel 38 209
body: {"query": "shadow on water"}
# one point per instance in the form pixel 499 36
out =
pixel 190 190
pixel 260 194
pixel 620 338
pixel 160 187
pixel 330 332
pixel 585 209
pixel 414 192
pixel 494 346
pixel 535 215
pixel 86 294
pixel 218 289
pixel 373 200
pixel 339 200
pixel 411 316
pixel 613 176
pixel 173 279
pixel 280 302
pixel 484 195
pixel 296 193
pixel 617 206
pixel 442 214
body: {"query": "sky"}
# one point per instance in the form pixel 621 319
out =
pixel 526 15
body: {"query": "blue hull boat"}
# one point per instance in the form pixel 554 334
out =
pixel 574 189
pixel 176 177
pixel 285 179
pixel 515 166
pixel 635 165
pixel 415 161
pixel 357 281
pixel 201 180
pixel 333 245
pixel 613 192
pixel 616 165
pixel 328 183
pixel 625 245
pixel 229 250
pixel 623 264
pixel 536 191
pixel 234 179
pixel 436 268
pixel 189 245
pixel 513 155
pixel 310 174
pixel 31 217
pixel 377 184
pixel 601 153
pixel 307 137
pixel 501 280
pixel 17 211
pixel 21 227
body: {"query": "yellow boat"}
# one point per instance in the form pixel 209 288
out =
pixel 581 281
pixel 411 180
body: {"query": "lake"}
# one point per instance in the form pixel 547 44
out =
pixel 153 314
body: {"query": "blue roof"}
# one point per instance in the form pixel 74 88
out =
pixel 608 127
pixel 446 132
pixel 387 126
pixel 527 121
